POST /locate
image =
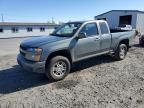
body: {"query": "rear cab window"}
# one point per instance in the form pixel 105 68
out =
pixel 104 28
pixel 90 29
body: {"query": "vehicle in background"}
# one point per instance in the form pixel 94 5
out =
pixel 54 55
pixel 124 27
pixel 141 40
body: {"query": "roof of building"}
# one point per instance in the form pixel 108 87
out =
pixel 83 21
pixel 121 11
pixel 78 21
pixel 25 24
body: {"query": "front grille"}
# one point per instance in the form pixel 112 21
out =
pixel 23 48
pixel 22 53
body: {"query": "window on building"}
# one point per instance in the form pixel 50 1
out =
pixel 104 28
pixel 90 29
pixel 125 20
pixel 14 29
pixel 1 30
pixel 29 29
pixel 42 29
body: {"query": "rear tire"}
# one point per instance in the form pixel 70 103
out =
pixel 141 43
pixel 121 52
pixel 58 68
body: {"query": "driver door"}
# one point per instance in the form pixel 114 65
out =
pixel 90 45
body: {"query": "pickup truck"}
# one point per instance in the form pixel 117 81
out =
pixel 55 54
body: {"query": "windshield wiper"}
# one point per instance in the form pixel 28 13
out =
pixel 52 34
pixel 56 35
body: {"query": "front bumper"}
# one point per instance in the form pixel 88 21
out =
pixel 38 67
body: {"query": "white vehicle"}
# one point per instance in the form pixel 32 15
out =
pixel 125 27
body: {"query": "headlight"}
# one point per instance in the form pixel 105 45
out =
pixel 35 50
pixel 34 54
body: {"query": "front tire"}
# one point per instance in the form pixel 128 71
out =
pixel 58 68
pixel 121 52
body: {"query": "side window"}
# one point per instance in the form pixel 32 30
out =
pixel 1 30
pixel 15 30
pixel 29 29
pixel 90 29
pixel 42 29
pixel 104 28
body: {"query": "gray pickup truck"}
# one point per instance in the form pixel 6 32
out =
pixel 55 54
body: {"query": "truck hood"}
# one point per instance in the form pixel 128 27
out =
pixel 39 41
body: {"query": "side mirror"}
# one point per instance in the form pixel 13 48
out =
pixel 81 35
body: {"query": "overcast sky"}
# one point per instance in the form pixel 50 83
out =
pixel 62 10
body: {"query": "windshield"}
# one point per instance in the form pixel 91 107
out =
pixel 67 30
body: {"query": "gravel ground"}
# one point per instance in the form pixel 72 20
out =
pixel 100 82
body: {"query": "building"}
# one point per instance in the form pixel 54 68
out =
pixel 12 29
pixel 116 18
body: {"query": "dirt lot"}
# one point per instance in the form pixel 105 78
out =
pixel 100 82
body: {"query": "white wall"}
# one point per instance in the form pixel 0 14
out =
pixel 140 23
pixel 22 31
pixel 113 18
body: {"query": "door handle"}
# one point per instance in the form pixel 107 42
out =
pixel 97 38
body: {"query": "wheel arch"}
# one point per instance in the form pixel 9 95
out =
pixel 126 42
pixel 65 53
pixel 123 41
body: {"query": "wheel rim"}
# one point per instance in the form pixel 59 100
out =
pixel 59 68
pixel 122 52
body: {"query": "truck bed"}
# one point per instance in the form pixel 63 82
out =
pixel 116 30
pixel 118 35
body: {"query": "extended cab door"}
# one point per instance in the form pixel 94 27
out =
pixel 106 37
pixel 90 45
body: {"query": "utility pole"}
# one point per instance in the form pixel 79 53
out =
pixel 2 18
pixel 53 20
